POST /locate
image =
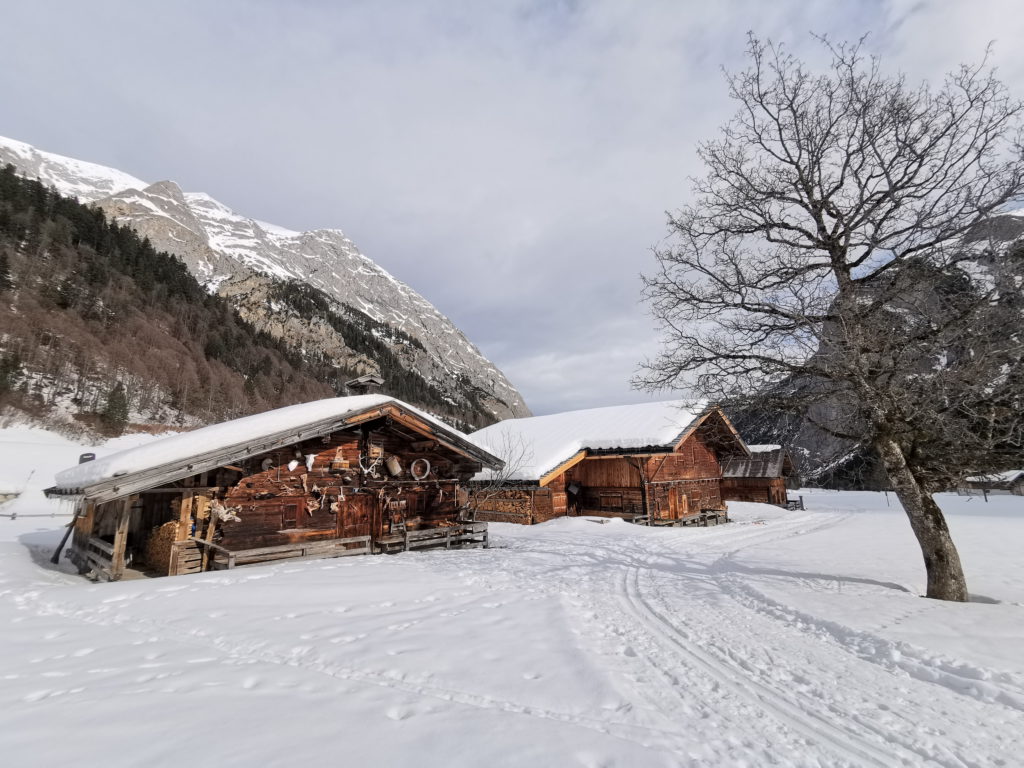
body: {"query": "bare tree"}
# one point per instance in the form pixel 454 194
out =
pixel 823 260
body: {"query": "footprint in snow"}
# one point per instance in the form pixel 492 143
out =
pixel 399 713
pixel 532 675
pixel 347 638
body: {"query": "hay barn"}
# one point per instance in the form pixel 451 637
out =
pixel 651 463
pixel 337 477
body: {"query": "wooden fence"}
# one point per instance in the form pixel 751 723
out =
pixel 225 559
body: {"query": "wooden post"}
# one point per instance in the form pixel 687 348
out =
pixel 185 516
pixel 117 566
pixel 203 504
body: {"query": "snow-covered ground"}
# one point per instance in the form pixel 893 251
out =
pixel 785 639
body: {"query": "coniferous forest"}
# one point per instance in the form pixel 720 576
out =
pixel 99 323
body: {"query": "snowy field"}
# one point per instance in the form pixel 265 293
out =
pixel 783 639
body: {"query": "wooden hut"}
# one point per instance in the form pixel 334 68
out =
pixel 1009 482
pixel 762 476
pixel 651 463
pixel 344 476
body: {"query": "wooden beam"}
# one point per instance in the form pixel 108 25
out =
pixel 566 465
pixel 117 567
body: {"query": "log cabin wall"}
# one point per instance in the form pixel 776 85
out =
pixel 683 482
pixel 694 471
pixel 552 504
pixel 290 501
pixel 524 505
pixel 766 490
pixel 679 483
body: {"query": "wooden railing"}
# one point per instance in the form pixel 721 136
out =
pixel 221 558
pixel 461 536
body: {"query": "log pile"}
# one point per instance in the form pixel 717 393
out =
pixel 158 547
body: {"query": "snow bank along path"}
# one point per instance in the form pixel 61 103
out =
pixel 785 639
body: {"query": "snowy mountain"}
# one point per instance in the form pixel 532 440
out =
pixel 249 261
pixel 832 462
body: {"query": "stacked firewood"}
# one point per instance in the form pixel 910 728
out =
pixel 158 548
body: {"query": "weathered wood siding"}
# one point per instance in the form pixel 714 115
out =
pixel 509 505
pixel 284 505
pixel 680 483
pixel 767 490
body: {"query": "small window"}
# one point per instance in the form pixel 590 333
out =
pixel 611 500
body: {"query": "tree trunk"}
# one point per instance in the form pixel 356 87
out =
pixel 941 561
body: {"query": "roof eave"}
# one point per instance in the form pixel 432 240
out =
pixel 126 485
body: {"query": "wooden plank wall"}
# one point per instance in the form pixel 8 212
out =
pixel 281 504
pixel 285 504
pixel 683 482
pixel 767 490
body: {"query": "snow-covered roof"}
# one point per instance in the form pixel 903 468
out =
pixel 190 452
pixel 766 461
pixel 1009 476
pixel 533 447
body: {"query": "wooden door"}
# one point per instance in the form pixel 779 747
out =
pixel 356 516
pixel 682 503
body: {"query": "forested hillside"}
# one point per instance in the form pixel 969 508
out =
pixel 100 329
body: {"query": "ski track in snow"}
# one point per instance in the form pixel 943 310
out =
pixel 707 664
pixel 717 628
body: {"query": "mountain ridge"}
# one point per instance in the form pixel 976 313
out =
pixel 234 255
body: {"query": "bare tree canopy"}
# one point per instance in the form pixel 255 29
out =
pixel 832 254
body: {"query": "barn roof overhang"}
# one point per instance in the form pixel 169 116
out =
pixel 136 482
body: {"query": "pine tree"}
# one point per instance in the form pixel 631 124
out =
pixel 115 413
pixel 10 372
pixel 6 283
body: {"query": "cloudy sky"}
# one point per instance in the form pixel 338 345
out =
pixel 512 161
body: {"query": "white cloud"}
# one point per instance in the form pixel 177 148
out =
pixel 512 161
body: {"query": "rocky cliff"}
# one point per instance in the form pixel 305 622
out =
pixel 314 290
